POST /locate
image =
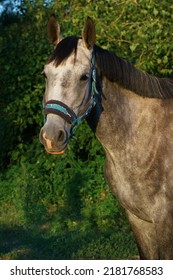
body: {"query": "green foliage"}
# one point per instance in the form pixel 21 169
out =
pixel 64 202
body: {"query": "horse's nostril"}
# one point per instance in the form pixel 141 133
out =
pixel 61 136
pixel 42 136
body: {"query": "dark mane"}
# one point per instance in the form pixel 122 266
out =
pixel 125 74
pixel 118 70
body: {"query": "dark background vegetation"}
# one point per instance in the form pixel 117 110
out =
pixel 60 207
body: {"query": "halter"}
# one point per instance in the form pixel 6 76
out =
pixel 61 109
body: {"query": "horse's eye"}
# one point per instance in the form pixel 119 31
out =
pixel 84 77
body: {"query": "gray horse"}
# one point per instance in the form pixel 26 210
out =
pixel 131 114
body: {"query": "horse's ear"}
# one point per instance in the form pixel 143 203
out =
pixel 54 32
pixel 89 33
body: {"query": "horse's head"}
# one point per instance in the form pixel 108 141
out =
pixel 70 85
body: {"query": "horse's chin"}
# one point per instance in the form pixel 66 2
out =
pixel 56 152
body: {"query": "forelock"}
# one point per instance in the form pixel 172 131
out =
pixel 63 50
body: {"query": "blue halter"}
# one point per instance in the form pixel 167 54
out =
pixel 61 109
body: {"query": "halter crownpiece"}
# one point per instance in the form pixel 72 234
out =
pixel 61 109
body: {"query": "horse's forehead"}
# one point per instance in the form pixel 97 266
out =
pixel 52 70
pixel 71 64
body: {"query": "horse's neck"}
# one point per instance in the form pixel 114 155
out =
pixel 114 121
pixel 128 119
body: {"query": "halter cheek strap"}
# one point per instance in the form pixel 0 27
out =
pixel 61 109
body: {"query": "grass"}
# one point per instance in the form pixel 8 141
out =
pixel 50 241
pixel 60 209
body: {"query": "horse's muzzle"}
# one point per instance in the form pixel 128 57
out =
pixel 54 141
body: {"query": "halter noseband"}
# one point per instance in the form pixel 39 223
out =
pixel 61 109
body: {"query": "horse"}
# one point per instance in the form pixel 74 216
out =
pixel 131 114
